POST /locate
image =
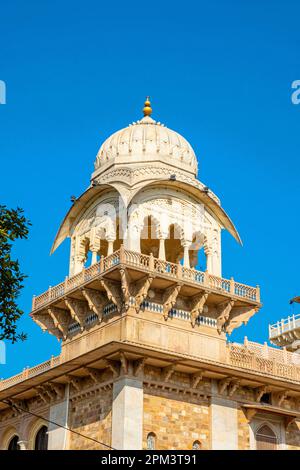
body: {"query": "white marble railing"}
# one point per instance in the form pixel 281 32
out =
pixel 147 263
pixel 288 324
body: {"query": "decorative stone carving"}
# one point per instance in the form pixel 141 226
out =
pixel 60 319
pixel 78 310
pixel 223 311
pixel 196 378
pixel 140 290
pixel 114 293
pixel 45 321
pixel 169 299
pixel 96 301
pixel 197 305
pixel 223 385
pixel 238 316
pixel 168 372
pixel 125 287
pixel 259 392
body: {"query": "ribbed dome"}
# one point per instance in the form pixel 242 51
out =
pixel 148 140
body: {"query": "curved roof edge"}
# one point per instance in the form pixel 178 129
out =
pixel 216 210
pixel 91 193
pixel 88 195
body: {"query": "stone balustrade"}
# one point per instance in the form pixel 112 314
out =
pixel 288 324
pixel 149 264
pixel 255 357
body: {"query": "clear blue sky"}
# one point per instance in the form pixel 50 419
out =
pixel 218 72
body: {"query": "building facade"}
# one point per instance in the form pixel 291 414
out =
pixel 143 320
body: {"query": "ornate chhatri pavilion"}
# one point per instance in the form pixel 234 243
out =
pixel 143 320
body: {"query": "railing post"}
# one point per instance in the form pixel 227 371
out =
pixel 257 297
pixel 266 350
pixel 232 290
pixel 246 343
pixel 122 254
pixel 49 293
pixel 51 361
pixel 285 356
pixel 101 264
pixel 66 284
pixel 179 271
pixel 151 262
pixel 206 278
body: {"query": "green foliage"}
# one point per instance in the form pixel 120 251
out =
pixel 13 225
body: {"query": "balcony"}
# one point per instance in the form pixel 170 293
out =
pixel 286 333
pixel 148 264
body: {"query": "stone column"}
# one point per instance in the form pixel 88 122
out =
pixel 57 436
pixel 94 257
pixel 162 249
pixel 127 414
pixel 186 254
pixel 110 247
pixel 134 238
pixel 224 422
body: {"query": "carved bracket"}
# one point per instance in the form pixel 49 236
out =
pixel 239 316
pixel 78 310
pixel 60 319
pixel 46 323
pixel 223 311
pixel 139 366
pixel 113 292
pixel 140 290
pixel 258 393
pixel 222 385
pixel 196 379
pixel 96 301
pixel 197 304
pixel 169 299
pixel 168 372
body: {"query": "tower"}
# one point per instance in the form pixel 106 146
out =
pixel 144 315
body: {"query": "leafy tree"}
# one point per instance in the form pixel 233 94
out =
pixel 13 225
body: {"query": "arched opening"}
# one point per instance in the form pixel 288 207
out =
pixel 196 445
pixel 266 438
pixel 151 441
pixel 41 439
pixel 14 443
pixel 174 249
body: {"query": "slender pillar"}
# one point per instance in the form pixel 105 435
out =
pixel 209 268
pixel 94 257
pixel 162 249
pixel 78 264
pixel 127 414
pixel 186 255
pixel 110 247
pixel 134 235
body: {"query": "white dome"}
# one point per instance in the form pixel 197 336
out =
pixel 148 140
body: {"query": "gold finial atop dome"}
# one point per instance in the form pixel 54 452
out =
pixel 147 107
